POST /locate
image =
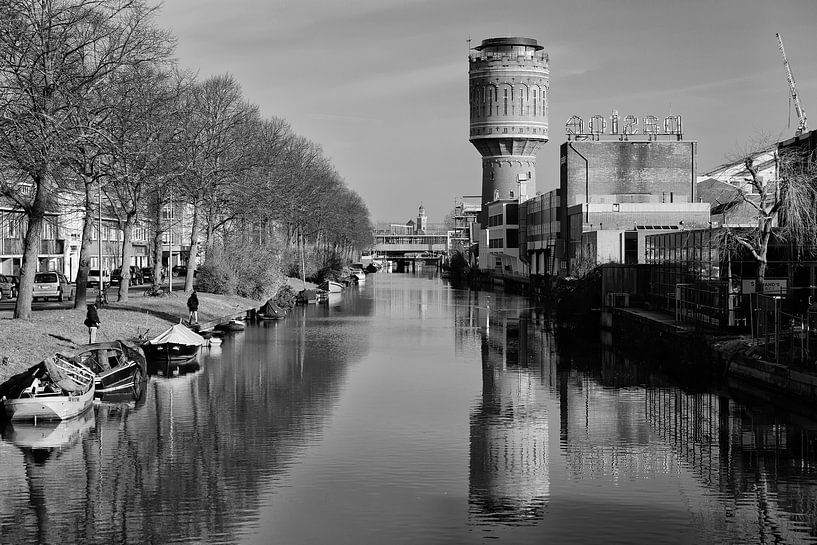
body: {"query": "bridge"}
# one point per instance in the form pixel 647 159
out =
pixel 411 251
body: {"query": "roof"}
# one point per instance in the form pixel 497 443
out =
pixel 178 334
pixel 516 40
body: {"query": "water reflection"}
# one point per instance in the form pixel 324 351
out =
pixel 484 425
pixel 185 463
pixel 509 454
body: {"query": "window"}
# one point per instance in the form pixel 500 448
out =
pixel 534 102
pixel 505 101
pixel 512 236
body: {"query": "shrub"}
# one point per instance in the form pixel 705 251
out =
pixel 215 276
pixel 241 269
pixel 285 298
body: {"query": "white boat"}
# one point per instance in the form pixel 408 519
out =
pixel 55 389
pixel 359 275
pixel 331 286
pixel 52 433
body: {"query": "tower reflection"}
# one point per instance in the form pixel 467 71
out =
pixel 509 473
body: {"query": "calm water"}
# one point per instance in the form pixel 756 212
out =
pixel 409 412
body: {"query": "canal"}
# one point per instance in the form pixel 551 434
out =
pixel 406 411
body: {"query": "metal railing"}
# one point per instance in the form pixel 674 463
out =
pixel 783 337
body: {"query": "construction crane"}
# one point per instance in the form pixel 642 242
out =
pixel 801 114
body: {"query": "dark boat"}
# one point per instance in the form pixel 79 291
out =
pixel 176 346
pixel 370 268
pixel 270 311
pixel 119 366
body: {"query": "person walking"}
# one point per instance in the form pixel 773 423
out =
pixel 193 307
pixel 92 322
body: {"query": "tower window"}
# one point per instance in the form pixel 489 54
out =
pixel 505 99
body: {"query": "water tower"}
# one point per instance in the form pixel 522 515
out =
pixel 508 87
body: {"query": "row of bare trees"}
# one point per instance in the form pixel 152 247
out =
pixel 91 100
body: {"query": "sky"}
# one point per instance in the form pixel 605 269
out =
pixel 382 85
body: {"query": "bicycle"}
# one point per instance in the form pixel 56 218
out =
pixel 102 296
pixel 155 291
pixel 158 291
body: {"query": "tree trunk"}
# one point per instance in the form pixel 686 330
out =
pixel 762 252
pixel 127 251
pixel 81 294
pixel 157 248
pixel 194 249
pixel 31 251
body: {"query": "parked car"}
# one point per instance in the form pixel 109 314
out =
pixel 135 276
pixel 147 275
pixel 52 284
pixel 181 270
pixel 93 277
pixel 8 287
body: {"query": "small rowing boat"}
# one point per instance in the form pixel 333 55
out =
pixel 120 367
pixel 57 388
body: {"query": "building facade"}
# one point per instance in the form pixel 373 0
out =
pixel 616 187
pixel 509 83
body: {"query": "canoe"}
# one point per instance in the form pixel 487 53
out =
pixel 57 388
pixel 120 367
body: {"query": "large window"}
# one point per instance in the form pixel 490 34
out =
pixel 512 236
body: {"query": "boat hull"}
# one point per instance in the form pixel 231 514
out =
pixel 332 287
pixel 48 407
pixel 175 354
pixel 120 379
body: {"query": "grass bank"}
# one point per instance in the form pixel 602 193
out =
pixel 26 342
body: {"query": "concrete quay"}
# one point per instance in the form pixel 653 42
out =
pixel 723 357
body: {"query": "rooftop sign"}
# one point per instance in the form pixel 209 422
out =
pixel 649 127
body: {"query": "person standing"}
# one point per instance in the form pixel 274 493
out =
pixel 92 322
pixel 193 307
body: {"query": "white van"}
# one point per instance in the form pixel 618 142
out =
pixel 93 277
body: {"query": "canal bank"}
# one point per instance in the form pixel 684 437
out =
pixel 710 352
pixel 734 357
pixel 26 342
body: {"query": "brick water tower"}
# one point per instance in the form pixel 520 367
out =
pixel 508 82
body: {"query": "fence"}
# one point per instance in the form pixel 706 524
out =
pixel 781 336
pixel 708 303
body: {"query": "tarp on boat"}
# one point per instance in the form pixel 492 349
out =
pixel 178 334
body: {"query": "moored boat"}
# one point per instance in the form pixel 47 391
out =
pixel 175 346
pixel 120 367
pixel 358 275
pixel 234 324
pixel 331 286
pixel 57 388
pixel 50 434
pixel 270 311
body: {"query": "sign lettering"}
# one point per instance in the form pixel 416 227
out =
pixel 650 126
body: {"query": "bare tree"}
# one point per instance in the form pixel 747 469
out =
pixel 218 134
pixel 784 207
pixel 144 149
pixel 53 55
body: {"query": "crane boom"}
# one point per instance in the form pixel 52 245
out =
pixel 798 108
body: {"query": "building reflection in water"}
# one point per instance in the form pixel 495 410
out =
pixel 509 474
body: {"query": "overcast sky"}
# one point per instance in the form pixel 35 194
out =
pixel 382 85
